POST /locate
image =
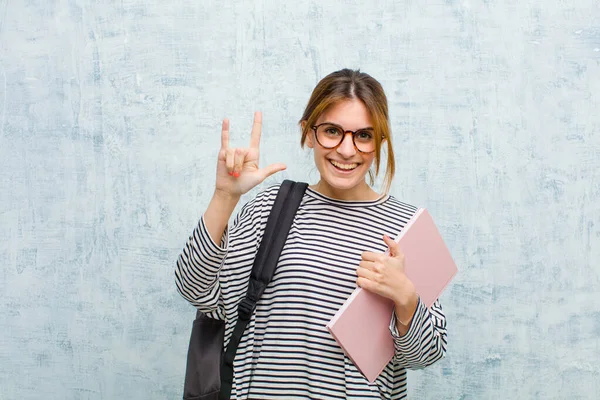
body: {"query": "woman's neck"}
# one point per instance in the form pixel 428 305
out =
pixel 361 192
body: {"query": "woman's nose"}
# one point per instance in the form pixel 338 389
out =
pixel 346 148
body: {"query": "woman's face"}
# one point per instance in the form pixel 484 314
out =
pixel 343 169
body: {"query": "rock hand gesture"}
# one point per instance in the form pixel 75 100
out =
pixel 237 168
pixel 237 173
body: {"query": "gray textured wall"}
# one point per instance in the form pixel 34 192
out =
pixel 109 129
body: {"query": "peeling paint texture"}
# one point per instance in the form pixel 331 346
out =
pixel 110 117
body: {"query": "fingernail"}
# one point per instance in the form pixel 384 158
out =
pixel 231 174
pixel 236 174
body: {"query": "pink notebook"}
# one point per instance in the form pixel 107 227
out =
pixel 361 325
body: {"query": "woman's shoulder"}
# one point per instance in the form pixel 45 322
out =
pixel 394 201
pixel 400 207
pixel 267 194
pixel 261 199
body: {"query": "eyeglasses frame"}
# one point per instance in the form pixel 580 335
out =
pixel 315 127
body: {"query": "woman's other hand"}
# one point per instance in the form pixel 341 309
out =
pixel 383 274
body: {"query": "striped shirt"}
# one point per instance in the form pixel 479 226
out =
pixel 286 350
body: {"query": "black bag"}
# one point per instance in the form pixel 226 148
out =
pixel 209 369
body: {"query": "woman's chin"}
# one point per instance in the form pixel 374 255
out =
pixel 344 184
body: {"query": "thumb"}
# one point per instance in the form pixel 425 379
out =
pixel 271 169
pixel 393 247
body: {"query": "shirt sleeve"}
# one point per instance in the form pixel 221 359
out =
pixel 200 263
pixel 426 339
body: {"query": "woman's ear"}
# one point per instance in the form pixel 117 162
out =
pixel 309 138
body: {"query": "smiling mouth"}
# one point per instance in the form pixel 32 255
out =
pixel 342 166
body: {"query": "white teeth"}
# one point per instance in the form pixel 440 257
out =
pixel 344 166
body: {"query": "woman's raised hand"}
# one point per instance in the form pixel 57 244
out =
pixel 237 168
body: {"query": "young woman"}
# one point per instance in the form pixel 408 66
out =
pixel 338 240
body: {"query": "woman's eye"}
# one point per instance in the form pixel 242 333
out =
pixel 333 131
pixel 364 135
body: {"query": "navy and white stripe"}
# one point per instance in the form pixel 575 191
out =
pixel 286 351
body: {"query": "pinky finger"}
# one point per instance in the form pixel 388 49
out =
pixel 362 282
pixel 367 285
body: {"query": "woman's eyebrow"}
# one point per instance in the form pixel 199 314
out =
pixel 336 124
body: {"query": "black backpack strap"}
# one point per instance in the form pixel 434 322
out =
pixel 278 226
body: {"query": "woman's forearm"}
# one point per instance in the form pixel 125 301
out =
pixel 218 213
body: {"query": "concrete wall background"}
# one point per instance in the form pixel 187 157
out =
pixel 109 131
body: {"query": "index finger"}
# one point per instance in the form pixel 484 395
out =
pixel 256 130
pixel 225 134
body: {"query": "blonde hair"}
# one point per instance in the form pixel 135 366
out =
pixel 347 84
